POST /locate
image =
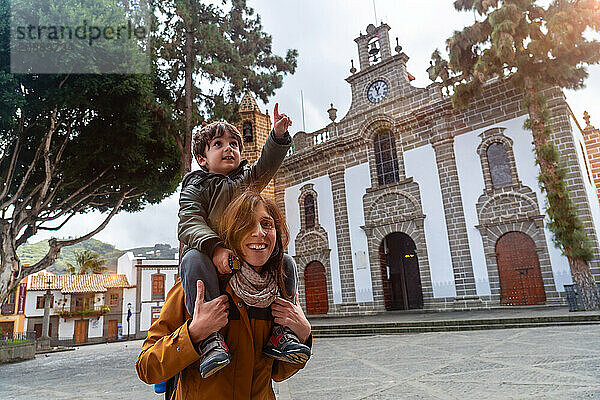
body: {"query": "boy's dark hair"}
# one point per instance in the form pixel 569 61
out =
pixel 213 130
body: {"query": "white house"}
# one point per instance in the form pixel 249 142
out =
pixel 151 280
pixel 83 308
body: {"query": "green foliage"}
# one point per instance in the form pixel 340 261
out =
pixel 534 47
pixel 33 252
pixel 87 262
pixel 226 52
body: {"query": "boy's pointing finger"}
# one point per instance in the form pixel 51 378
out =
pixel 276 111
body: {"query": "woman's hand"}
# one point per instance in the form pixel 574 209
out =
pixel 291 315
pixel 208 317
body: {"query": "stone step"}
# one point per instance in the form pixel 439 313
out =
pixel 434 326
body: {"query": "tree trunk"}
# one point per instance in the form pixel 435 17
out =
pixel 186 154
pixel 580 270
pixel 588 289
pixel 9 262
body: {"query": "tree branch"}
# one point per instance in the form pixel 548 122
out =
pixel 29 170
pixel 56 245
pixel 11 168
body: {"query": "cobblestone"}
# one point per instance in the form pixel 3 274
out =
pixel 545 363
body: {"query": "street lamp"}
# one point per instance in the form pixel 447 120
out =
pixel 128 318
pixel 44 341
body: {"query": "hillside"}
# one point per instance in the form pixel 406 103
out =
pixel 30 253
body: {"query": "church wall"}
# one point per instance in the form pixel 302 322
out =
pixel 436 232
pixel 357 180
pixel 327 220
pixel 588 181
pixel 575 179
pixel 470 177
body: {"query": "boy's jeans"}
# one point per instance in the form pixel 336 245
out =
pixel 196 265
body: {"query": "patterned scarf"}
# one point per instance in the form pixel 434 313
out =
pixel 254 289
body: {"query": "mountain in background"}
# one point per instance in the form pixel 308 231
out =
pixel 31 253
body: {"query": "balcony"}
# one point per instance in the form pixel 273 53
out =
pixel 80 312
pixel 8 309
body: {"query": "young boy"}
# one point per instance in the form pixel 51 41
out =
pixel 204 196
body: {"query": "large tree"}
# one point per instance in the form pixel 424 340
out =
pixel 70 144
pixel 210 55
pixel 535 47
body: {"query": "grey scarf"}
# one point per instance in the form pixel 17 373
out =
pixel 256 290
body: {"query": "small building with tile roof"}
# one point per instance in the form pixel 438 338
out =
pixel 83 308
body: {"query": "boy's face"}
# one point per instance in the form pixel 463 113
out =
pixel 222 155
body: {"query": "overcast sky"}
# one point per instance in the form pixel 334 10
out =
pixel 323 32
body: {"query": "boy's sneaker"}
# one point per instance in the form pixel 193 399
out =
pixel 284 345
pixel 215 354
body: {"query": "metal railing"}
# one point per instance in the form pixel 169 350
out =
pixel 12 337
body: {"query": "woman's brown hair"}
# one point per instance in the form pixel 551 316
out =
pixel 238 220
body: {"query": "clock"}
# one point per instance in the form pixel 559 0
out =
pixel 377 91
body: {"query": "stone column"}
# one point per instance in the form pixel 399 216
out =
pixel 343 237
pixel 455 219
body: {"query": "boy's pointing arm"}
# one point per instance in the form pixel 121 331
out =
pixel 273 152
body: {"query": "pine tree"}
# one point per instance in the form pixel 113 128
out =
pixel 201 46
pixel 534 47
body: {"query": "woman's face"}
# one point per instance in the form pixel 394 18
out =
pixel 259 242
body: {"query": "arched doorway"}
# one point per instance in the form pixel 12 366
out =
pixel 400 272
pixel 315 288
pixel 519 270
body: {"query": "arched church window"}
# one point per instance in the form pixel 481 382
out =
pixel 386 159
pixel 309 211
pixel 499 165
pixel 247 132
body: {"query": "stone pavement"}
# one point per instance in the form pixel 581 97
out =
pixel 545 363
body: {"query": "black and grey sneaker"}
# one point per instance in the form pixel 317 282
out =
pixel 215 354
pixel 284 345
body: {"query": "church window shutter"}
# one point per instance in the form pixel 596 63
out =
pixel 386 159
pixel 499 165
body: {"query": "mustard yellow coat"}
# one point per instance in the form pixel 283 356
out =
pixel 168 350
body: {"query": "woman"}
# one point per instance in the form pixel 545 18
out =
pixel 255 229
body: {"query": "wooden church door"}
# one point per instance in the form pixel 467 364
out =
pixel 519 270
pixel 315 288
pixel 404 276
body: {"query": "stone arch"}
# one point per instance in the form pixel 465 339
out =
pixel 513 204
pixel 404 206
pixel 376 124
pixel 311 242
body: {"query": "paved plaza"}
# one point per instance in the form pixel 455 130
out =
pixel 544 363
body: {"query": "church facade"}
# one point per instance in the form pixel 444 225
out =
pixel 407 203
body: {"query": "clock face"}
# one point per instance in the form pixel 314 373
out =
pixel 377 91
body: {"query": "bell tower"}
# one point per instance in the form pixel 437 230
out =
pixel 374 47
pixel 255 128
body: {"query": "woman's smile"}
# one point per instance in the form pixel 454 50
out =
pixel 259 241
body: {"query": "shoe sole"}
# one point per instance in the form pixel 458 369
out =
pixel 217 368
pixel 292 358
